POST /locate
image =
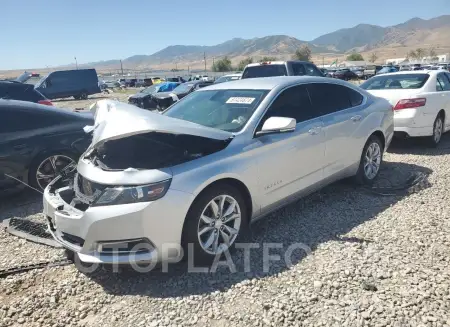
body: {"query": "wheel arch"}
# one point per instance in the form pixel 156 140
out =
pixel 381 136
pixel 236 183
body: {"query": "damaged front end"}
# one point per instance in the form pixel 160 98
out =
pixel 131 154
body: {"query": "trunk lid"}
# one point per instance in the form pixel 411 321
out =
pixel 394 95
pixel 116 120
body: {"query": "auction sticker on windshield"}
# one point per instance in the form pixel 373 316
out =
pixel 242 100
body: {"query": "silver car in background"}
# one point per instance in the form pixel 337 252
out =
pixel 213 162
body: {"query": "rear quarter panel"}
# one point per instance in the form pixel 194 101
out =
pixel 379 117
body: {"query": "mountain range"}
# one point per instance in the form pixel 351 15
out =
pixel 386 42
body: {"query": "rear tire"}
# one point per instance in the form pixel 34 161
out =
pixel 370 163
pixel 83 96
pixel 438 130
pixel 217 216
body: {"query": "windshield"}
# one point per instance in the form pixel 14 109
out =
pixel 183 88
pixel 228 110
pixel 150 90
pixel 265 71
pixel 38 84
pixel 395 82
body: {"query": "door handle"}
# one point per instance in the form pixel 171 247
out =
pixel 356 118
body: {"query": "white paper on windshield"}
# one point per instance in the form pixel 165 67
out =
pixel 240 100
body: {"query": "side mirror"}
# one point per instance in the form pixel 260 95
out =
pixel 277 125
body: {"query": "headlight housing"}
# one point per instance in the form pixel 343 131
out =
pixel 132 194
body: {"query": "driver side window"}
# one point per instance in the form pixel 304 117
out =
pixel 293 102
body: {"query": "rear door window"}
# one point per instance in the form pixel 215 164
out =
pixel 442 82
pixel 265 71
pixel 328 98
pixel 23 93
pixel 355 97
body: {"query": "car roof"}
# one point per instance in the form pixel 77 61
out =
pixel 409 72
pixel 267 83
pixel 6 81
pixel 17 105
pixel 232 75
pixel 277 62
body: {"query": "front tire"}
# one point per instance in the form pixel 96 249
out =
pixel 215 221
pixel 370 163
pixel 438 130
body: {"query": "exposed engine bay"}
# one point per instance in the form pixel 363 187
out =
pixel 153 150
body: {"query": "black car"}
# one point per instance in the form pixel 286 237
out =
pixel 281 68
pixel 345 74
pixel 145 98
pixel 166 99
pixel 131 82
pixel 15 90
pixel 177 79
pixel 37 142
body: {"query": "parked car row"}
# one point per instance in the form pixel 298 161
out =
pixel 206 165
pixel 421 101
pixel 205 162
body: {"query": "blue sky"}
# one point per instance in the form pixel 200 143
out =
pixel 50 32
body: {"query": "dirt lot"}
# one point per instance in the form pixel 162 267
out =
pixel 70 103
pixel 376 261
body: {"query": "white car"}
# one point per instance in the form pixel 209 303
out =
pixel 420 100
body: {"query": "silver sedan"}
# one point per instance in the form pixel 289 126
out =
pixel 196 175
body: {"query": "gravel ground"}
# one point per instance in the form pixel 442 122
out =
pixel 375 261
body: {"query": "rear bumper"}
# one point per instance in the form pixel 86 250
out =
pixel 413 123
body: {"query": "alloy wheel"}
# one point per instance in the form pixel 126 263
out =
pixel 437 131
pixel 50 168
pixel 219 224
pixel 372 160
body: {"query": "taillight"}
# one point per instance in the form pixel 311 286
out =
pixel 410 103
pixel 45 102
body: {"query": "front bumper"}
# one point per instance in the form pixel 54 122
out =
pixel 160 222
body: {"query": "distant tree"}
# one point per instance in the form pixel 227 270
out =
pixel 245 62
pixel 267 58
pixel 355 57
pixel 432 53
pixel 420 53
pixel 303 53
pixel 412 54
pixel 222 65
pixel 373 57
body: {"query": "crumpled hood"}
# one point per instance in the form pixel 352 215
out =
pixel 115 120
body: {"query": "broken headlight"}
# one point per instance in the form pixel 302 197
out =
pixel 133 194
